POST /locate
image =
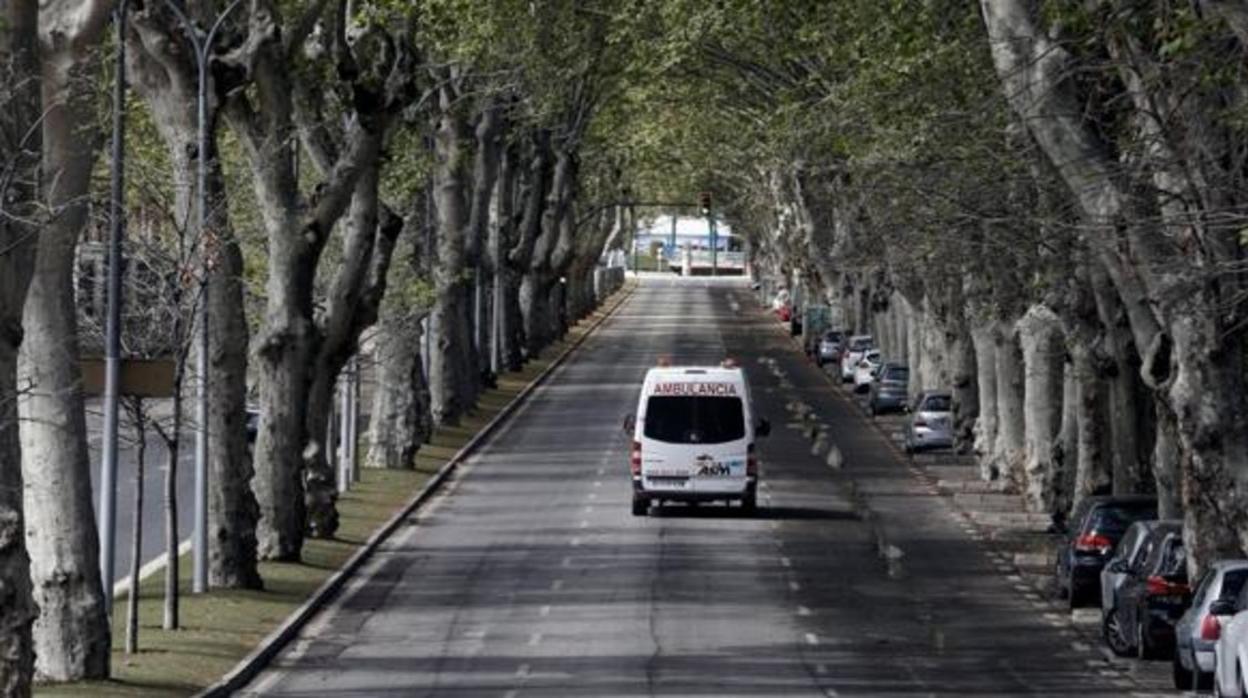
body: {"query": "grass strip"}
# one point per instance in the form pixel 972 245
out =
pixel 222 627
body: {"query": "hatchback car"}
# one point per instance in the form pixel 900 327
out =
pixel 857 346
pixel 829 350
pixel 1151 599
pixel 890 390
pixel 1130 552
pixel 1096 526
pixel 864 372
pixel 1230 652
pixel 932 423
pixel 1197 632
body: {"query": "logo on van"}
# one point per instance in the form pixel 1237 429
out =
pixel 696 389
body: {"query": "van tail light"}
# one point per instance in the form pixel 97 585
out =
pixel 1160 586
pixel 751 462
pixel 1093 543
pixel 1210 628
pixel 634 460
pixel 920 422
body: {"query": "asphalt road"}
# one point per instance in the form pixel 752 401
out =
pixel 530 577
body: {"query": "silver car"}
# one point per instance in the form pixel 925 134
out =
pixel 1196 633
pixel 829 351
pixel 932 423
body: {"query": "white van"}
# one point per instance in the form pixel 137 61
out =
pixel 693 437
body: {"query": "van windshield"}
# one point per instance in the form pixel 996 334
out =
pixel 694 419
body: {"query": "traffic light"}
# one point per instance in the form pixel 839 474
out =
pixel 704 201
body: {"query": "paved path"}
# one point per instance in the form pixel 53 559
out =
pixel 529 576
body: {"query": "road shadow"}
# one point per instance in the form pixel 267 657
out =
pixel 766 513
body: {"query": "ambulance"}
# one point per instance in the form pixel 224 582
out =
pixel 693 437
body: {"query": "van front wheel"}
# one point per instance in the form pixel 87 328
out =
pixel 641 506
pixel 749 504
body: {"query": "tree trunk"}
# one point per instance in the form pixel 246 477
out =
pixel 982 336
pixel 1166 470
pixel 19 114
pixel 71 634
pixel 1093 473
pixel 167 82
pixel 1008 450
pixel 136 536
pixel 1124 392
pixel 452 381
pixel 964 382
pixel 353 306
pixel 400 420
pixel 1040 336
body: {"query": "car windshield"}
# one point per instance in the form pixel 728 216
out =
pixel 832 337
pixel 897 373
pixel 1174 564
pixel 694 419
pixel 1233 583
pixel 860 344
pixel 1115 519
pixel 937 403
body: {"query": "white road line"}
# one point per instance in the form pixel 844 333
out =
pixel 584 524
pixel 786 562
pixel 523 671
pixel 602 471
pixel 556 585
pixel 803 611
pixel 575 541
pixel 567 562
pixel 511 694
pixel 794 586
pixel 545 611
pixel 1080 646
pixel 597 483
pixel 535 639
pixel 811 639
pixel 821 669
pixel 593 495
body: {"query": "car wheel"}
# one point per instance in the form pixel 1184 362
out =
pixel 1115 636
pixel 641 506
pixel 1146 649
pixel 749 504
pixel 1184 680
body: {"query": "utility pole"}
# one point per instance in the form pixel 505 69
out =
pixel 112 328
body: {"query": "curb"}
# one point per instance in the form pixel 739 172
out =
pixel 270 646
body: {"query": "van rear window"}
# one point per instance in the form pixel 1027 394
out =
pixel 694 419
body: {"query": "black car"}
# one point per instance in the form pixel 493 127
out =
pixel 1096 526
pixel 1152 599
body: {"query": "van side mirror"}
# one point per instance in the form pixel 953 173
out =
pixel 763 428
pixel 1222 607
pixel 630 424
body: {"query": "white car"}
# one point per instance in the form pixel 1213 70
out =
pixel 1230 654
pixel 854 349
pixel 781 299
pixel 864 370
pixel 693 438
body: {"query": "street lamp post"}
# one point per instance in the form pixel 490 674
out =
pixel 199 537
pixel 112 328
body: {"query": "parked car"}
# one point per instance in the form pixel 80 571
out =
pixel 829 349
pixel 1196 634
pixel 781 299
pixel 858 345
pixel 932 423
pixel 1230 651
pixel 864 372
pixel 784 312
pixel 1152 596
pixel 1096 526
pixel 890 391
pixel 1130 552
